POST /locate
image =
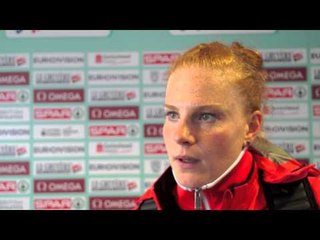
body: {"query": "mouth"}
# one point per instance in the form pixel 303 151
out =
pixel 186 159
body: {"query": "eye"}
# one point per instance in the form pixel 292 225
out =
pixel 171 115
pixel 207 117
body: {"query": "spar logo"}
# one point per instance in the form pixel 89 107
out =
pixel 8 186
pixel 154 149
pixel 8 96
pixel 112 203
pixel 286 92
pixel 113 130
pixel 67 203
pixel 58 113
pixel 53 204
pixel 153 130
pixel 58 185
pixel 14 96
pixel 58 95
pixel 14 186
pixel 52 113
pixel 114 113
pixel 159 58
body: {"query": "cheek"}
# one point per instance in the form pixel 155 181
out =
pixel 219 139
pixel 168 138
pixel 214 139
pixel 166 132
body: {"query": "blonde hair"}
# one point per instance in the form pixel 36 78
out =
pixel 246 63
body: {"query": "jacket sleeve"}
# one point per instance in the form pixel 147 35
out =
pixel 315 187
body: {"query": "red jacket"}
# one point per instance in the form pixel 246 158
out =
pixel 241 189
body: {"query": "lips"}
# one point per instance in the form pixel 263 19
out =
pixel 186 159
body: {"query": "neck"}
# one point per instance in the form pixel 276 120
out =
pixel 217 180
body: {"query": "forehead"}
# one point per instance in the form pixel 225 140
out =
pixel 200 85
pixel 202 75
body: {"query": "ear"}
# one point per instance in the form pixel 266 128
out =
pixel 254 126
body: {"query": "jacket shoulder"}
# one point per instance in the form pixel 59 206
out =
pixel 146 201
pixel 274 153
pixel 287 183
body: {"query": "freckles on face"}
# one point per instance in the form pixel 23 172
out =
pixel 204 125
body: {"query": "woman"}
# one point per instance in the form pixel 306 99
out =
pixel 213 121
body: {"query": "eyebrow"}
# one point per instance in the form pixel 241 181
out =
pixel 170 106
pixel 203 107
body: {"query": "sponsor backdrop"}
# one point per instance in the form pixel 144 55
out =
pixel 81 111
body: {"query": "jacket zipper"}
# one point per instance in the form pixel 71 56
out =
pixel 197 199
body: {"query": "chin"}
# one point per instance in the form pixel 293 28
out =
pixel 190 183
pixel 188 179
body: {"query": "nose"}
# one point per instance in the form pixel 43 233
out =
pixel 183 134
